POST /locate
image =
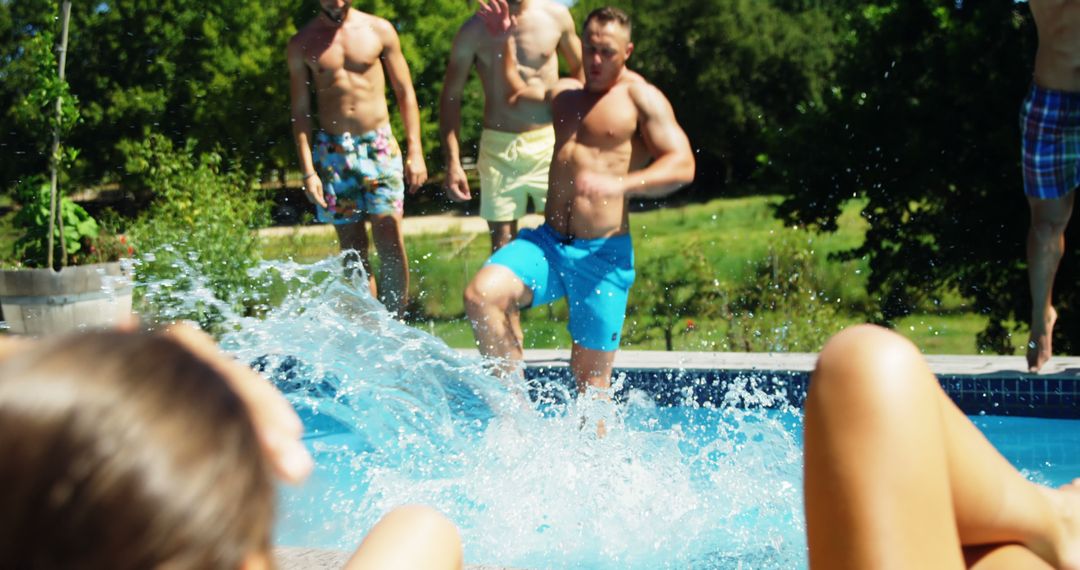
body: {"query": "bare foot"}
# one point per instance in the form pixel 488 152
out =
pixel 1064 550
pixel 1039 347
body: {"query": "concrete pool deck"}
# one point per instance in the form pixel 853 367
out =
pixel 941 364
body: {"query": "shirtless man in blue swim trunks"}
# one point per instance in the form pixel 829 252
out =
pixel 353 170
pixel 1050 126
pixel 606 131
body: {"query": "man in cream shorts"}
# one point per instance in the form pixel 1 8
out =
pixel 517 141
pixel 513 169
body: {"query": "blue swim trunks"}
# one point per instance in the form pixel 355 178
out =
pixel 1050 142
pixel 360 175
pixel 594 275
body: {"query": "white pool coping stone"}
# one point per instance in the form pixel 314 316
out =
pixel 980 365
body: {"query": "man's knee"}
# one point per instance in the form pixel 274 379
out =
pixel 1049 218
pixel 490 290
pixel 481 294
pixel 386 232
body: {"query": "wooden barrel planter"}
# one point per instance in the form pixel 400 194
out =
pixel 43 301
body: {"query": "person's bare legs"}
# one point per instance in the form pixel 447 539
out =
pixel 896 476
pixel 393 262
pixel 1045 246
pixel 501 234
pixel 410 538
pixel 354 236
pixel 489 298
pixel 592 368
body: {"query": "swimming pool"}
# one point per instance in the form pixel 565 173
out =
pixel 698 471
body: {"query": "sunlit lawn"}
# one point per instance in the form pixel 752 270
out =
pixel 731 233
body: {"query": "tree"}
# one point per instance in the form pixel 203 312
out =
pixel 210 71
pixel 923 126
pixel 734 70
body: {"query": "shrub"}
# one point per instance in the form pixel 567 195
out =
pixel 787 305
pixel 667 290
pixel 197 232
pixel 32 247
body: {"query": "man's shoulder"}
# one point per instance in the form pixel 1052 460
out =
pixel 472 30
pixel 636 85
pixel 554 8
pixel 305 31
pixel 359 18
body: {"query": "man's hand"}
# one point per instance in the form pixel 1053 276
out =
pixel 314 191
pixel 595 186
pixel 457 185
pixel 415 171
pixel 496 17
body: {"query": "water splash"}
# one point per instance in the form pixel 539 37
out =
pixel 394 416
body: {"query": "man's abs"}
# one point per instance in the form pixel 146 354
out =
pixel 1057 63
pixel 356 110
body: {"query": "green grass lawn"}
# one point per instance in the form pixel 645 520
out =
pixel 733 236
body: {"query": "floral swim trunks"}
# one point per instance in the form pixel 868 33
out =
pixel 361 174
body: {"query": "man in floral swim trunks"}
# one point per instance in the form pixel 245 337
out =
pixel 354 170
pixel 1050 126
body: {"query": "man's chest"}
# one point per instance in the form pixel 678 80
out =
pixel 599 122
pixel 353 51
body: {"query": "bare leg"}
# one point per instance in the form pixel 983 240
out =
pixel 501 234
pixel 394 264
pixel 896 475
pixel 354 236
pixel 413 537
pixel 592 368
pixel 1045 246
pixel 489 298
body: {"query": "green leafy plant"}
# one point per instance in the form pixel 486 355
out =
pixel 55 230
pixel 198 228
pixel 787 305
pixel 669 293
pixel 76 230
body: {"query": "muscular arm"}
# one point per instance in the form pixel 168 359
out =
pixel 397 70
pixel 300 96
pixel 520 89
pixel 499 22
pixel 570 46
pixel 673 166
pixel 462 54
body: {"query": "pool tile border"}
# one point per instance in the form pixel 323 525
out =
pixel 990 385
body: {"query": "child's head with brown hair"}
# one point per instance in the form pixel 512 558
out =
pixel 125 450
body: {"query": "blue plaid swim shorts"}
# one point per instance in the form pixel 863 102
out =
pixel 1050 142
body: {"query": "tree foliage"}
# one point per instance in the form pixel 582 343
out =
pixel 923 124
pixel 209 71
pixel 734 70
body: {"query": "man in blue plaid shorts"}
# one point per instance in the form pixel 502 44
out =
pixel 1050 128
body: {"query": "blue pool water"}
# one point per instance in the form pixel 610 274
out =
pixel 394 417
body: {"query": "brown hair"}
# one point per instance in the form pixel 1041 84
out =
pixel 124 450
pixel 609 14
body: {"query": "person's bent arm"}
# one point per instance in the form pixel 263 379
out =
pixel 673 166
pixel 570 46
pixel 397 69
pixel 300 97
pixel 462 54
pixel 500 24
